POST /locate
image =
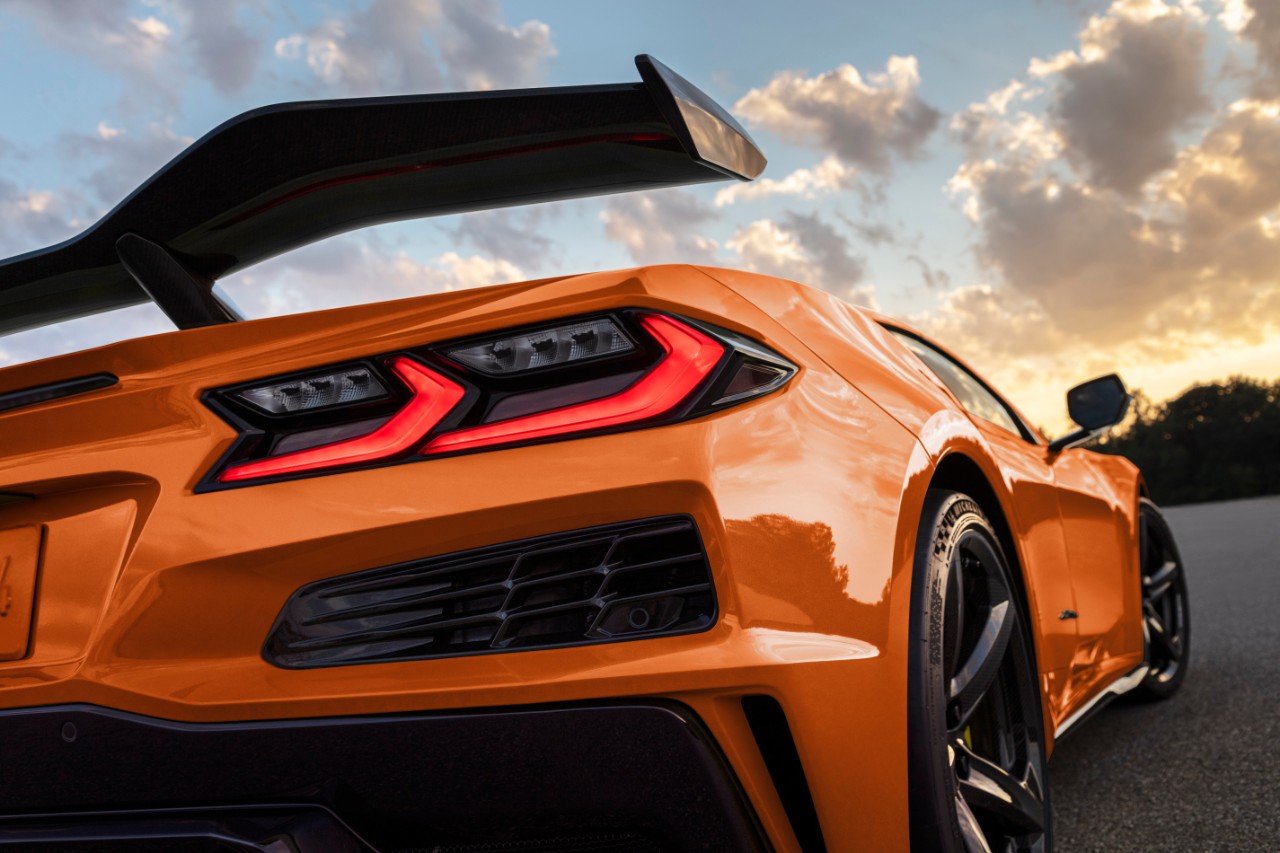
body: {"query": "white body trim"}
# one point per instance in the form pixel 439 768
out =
pixel 1119 687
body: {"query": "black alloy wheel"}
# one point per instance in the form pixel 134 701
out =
pixel 1166 623
pixel 976 732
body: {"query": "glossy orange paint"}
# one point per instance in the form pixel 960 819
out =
pixel 156 600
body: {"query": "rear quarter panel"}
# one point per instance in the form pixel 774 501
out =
pixel 1023 477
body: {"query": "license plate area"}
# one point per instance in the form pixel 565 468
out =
pixel 19 561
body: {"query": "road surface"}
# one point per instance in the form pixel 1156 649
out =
pixel 1201 771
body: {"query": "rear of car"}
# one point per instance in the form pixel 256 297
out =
pixel 625 628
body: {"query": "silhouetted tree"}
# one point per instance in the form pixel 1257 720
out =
pixel 1213 442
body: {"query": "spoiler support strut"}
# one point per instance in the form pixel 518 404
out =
pixel 185 297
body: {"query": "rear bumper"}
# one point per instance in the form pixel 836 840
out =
pixel 639 776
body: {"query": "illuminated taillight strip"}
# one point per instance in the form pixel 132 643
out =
pixel 434 396
pixel 690 357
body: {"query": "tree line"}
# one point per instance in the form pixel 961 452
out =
pixel 1213 442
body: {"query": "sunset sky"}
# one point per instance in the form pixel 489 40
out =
pixel 1054 189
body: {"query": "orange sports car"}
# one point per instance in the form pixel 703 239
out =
pixel 669 558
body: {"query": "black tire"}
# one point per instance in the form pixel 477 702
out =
pixel 1166 615
pixel 974 718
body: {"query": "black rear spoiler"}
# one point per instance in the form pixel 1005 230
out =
pixel 276 178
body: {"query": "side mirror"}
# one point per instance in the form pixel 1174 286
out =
pixel 1094 405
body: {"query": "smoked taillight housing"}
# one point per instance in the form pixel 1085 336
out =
pixel 316 391
pixel 552 346
pixel 582 376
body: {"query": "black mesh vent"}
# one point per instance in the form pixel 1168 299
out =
pixel 617 582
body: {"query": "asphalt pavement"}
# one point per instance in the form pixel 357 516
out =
pixel 1201 770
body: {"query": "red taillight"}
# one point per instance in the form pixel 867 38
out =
pixel 690 358
pixel 583 375
pixel 433 396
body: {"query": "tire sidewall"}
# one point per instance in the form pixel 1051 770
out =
pixel 945 517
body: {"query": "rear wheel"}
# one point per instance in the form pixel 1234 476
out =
pixel 976 732
pixel 1166 624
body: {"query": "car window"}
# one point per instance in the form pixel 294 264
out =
pixel 969 390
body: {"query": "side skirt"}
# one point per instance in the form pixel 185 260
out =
pixel 1119 687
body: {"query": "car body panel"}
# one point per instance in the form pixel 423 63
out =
pixel 1067 542
pixel 156 600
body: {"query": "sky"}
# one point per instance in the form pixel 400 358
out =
pixel 1055 189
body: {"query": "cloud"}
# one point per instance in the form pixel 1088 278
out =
pixel 1231 178
pixel 866 122
pixel 125 159
pixel 1089 212
pixel 226 51
pixel 102 31
pixel 512 234
pixel 1115 106
pixel 1199 259
pixel 31 219
pixel 872 233
pixel 484 53
pixel 805 249
pixel 933 278
pixel 400 46
pixel 1085 256
pixel 661 226
pixel 666 226
pixel 829 175
pixel 1258 21
pixel 988 125
pixel 154 52
pixel 1136 83
pixel 355 269
pixel 992 322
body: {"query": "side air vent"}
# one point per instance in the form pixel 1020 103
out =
pixel 617 582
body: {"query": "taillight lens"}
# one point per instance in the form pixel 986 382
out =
pixel 434 396
pixel 689 357
pixel 583 376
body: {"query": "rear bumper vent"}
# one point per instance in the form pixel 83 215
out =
pixel 616 582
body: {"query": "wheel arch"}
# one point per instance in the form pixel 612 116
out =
pixel 959 472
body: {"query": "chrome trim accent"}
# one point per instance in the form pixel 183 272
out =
pixel 1119 687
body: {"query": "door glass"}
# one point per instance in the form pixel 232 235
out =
pixel 968 389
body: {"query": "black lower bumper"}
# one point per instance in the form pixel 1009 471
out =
pixel 606 777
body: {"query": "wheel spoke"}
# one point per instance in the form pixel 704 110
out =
pixel 1161 581
pixel 1160 637
pixel 989 788
pixel 970 831
pixel 974 677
